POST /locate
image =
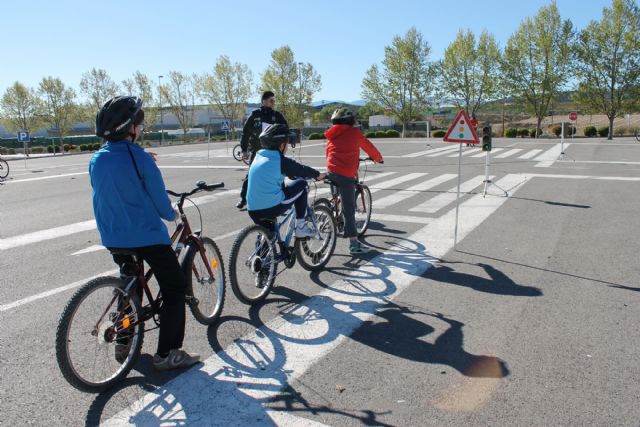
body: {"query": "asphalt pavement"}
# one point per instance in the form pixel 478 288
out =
pixel 531 319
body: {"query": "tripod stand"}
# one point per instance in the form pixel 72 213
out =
pixel 487 179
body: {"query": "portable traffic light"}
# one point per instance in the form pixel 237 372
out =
pixel 486 138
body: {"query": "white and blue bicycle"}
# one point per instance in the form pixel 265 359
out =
pixel 257 252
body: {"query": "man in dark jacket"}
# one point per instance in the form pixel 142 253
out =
pixel 253 127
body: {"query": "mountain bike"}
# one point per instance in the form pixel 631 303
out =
pixel 4 169
pixel 257 252
pixel 108 314
pixel 237 154
pixel 364 203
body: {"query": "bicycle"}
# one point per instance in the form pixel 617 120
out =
pixel 237 154
pixel 638 135
pixel 363 203
pixel 257 252
pixel 4 169
pixel 107 313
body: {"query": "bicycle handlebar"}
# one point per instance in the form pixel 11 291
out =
pixel 364 159
pixel 200 186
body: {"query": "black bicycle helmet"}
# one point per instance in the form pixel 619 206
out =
pixel 116 115
pixel 343 116
pixel 274 135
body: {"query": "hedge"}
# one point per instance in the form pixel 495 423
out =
pixel 315 135
pixel 532 134
pixel 438 133
pixel 511 132
pixel 603 131
pixel 381 134
pixel 370 134
pixel 523 133
pixel 590 131
pixel 392 133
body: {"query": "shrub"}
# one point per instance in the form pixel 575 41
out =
pixel 590 131
pixel 620 131
pixel 381 134
pixel 37 150
pixel 511 132
pixel 83 147
pixel 67 147
pixel 603 131
pixel 12 151
pixel 556 130
pixel 315 135
pixel 52 148
pixel 532 133
pixel 370 134
pixel 96 146
pixel 438 133
pixel 416 134
pixel 392 133
pixel 523 133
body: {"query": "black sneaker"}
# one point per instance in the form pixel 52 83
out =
pixel 241 203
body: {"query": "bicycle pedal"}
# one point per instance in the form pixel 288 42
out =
pixel 191 300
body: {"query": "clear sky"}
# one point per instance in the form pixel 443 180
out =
pixel 64 38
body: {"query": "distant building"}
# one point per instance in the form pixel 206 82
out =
pixel 381 121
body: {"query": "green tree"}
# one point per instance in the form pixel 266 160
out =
pixel 294 84
pixel 406 79
pixel 228 88
pixel 537 61
pixel 141 86
pixel 60 108
pixel 98 87
pixel 469 71
pixel 21 108
pixel 608 53
pixel 179 93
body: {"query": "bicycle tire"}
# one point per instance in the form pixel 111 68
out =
pixel 302 246
pixel 364 203
pixel 4 169
pixel 213 253
pixel 233 261
pixel 638 136
pixel 66 365
pixel 237 152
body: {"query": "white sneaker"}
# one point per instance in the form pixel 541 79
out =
pixel 305 230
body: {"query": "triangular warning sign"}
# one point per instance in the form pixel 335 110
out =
pixel 461 130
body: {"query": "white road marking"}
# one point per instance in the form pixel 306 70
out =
pixel 493 151
pixel 417 189
pixel 593 177
pixel 399 218
pixel 600 162
pixel 368 179
pixel 508 153
pixel 399 180
pixel 530 154
pixel 465 152
pixel 230 387
pixel 443 151
pixel 440 201
pixel 42 178
pixel 547 158
pixel 429 151
pixel 90 249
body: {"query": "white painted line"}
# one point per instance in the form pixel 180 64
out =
pixel 90 249
pixel 440 201
pixel 42 178
pixel 443 151
pixel 466 152
pixel 547 158
pixel 51 292
pixel 239 167
pixel 530 154
pixel 593 177
pixel 429 151
pixel 287 419
pixel 508 153
pixel 399 218
pixel 368 179
pixel 601 162
pixel 230 387
pixel 414 190
pixel 399 180
pixel 493 151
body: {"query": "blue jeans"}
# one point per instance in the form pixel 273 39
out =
pixel 295 192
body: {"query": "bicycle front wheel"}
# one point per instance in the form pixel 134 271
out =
pixel 314 253
pixel 4 169
pixel 99 335
pixel 252 264
pixel 205 282
pixel 363 209
pixel 237 152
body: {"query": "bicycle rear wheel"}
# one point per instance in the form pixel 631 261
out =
pixel 4 169
pixel 314 253
pixel 252 264
pixel 363 208
pixel 205 282
pixel 99 336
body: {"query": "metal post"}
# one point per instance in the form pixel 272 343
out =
pixel 455 233
pixel 160 106
pixel 208 141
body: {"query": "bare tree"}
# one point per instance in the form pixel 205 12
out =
pixel 141 86
pixel 98 87
pixel 180 94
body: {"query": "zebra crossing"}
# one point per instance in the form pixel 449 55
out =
pixel 533 154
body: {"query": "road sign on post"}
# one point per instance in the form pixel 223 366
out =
pixel 23 136
pixel 573 116
pixel 461 130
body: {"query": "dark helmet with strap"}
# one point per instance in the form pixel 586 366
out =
pixel 343 115
pixel 117 115
pixel 274 135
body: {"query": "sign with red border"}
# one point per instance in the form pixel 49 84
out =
pixel 461 130
pixel 573 116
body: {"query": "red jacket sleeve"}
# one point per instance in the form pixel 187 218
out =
pixel 369 148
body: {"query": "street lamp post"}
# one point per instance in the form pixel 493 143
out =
pixel 300 83
pixel 160 105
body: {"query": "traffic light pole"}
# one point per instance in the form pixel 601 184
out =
pixel 487 179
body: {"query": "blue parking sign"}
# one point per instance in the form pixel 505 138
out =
pixel 23 136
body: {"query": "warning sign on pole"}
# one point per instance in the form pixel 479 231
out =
pixel 462 130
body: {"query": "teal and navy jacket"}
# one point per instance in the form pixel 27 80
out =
pixel 129 209
pixel 266 178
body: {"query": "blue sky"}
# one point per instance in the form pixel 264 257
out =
pixel 341 39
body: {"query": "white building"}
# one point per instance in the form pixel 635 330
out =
pixel 382 121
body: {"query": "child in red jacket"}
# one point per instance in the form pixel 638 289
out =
pixel 344 142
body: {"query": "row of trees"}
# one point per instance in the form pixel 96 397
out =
pixel 542 58
pixel 227 88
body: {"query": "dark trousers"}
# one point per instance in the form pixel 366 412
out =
pixel 245 182
pixel 164 264
pixel 295 192
pixel 347 190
